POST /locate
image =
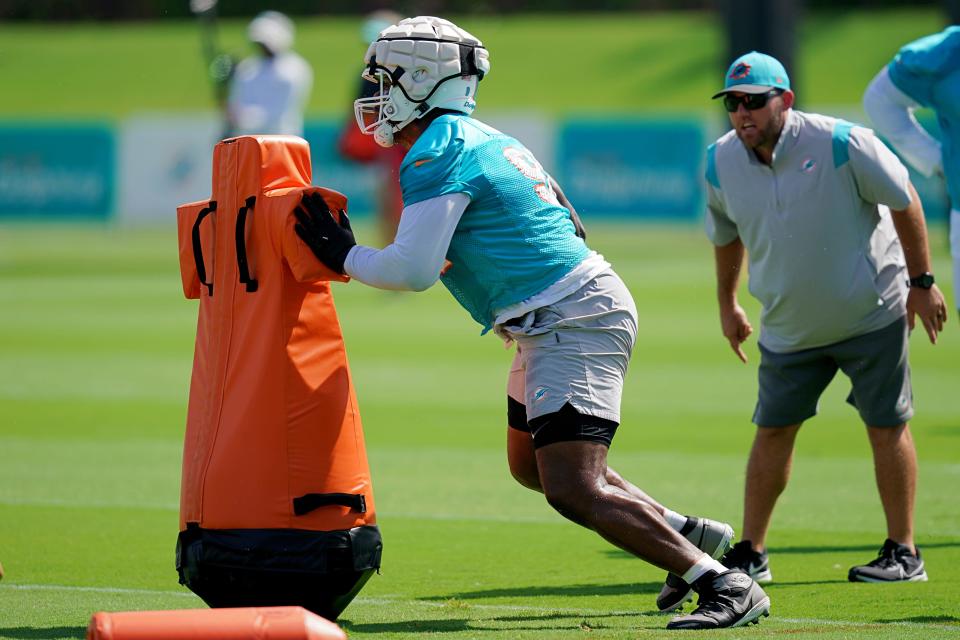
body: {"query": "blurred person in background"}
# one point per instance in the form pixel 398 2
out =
pixel 270 90
pixel 838 256
pixel 354 145
pixel 924 73
pixel 483 216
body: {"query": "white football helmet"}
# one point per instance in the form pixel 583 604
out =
pixel 273 30
pixel 420 64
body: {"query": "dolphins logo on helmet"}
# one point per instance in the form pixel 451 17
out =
pixel 420 64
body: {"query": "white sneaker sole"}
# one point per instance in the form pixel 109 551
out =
pixel 922 577
pixel 764 577
pixel 762 608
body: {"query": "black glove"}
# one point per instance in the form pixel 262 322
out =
pixel 330 241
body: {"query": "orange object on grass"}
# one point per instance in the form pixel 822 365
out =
pixel 262 623
pixel 275 493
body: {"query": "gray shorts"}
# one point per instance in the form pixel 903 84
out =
pixel 575 350
pixel 876 363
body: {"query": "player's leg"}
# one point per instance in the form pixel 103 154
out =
pixel 709 536
pixel 572 474
pixel 790 385
pixel 575 356
pixel 878 366
pixel 522 460
pixel 520 457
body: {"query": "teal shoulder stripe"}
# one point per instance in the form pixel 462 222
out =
pixel 841 142
pixel 712 166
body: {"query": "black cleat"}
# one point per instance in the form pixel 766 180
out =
pixel 755 564
pixel 894 563
pixel 729 599
pixel 707 535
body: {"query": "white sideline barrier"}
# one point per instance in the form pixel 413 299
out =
pixel 165 160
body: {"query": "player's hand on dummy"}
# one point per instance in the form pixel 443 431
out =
pixel 736 328
pixel 930 307
pixel 329 240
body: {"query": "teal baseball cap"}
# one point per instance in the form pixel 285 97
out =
pixel 755 72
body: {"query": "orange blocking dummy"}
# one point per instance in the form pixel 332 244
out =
pixel 262 623
pixel 276 506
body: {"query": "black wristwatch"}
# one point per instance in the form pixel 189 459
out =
pixel 923 281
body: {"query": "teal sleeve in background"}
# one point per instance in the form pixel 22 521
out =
pixel 918 65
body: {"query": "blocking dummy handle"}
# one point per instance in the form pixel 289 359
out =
pixel 241 238
pixel 312 501
pixel 263 623
pixel 198 248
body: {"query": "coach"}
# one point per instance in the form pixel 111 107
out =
pixel 838 257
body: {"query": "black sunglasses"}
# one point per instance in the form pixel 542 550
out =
pixel 752 101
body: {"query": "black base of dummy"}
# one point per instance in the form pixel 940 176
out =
pixel 321 571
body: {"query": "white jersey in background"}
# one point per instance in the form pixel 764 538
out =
pixel 269 95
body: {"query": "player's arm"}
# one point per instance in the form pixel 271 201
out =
pixel 927 303
pixel 412 262
pixel 892 112
pixel 562 198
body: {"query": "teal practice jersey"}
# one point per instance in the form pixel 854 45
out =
pixel 514 239
pixel 928 70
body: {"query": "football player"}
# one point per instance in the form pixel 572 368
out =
pixel 484 217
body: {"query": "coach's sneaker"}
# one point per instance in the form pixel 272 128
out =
pixel 729 599
pixel 709 536
pixel 894 563
pixel 755 564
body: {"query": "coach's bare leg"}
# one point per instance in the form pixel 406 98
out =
pixel 523 467
pixel 895 465
pixel 573 477
pixel 768 470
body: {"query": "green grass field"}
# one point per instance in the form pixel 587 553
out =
pixel 95 356
pixel 555 64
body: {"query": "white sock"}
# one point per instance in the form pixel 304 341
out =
pixel 700 567
pixel 674 519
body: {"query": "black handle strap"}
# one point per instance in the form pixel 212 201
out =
pixel 242 265
pixel 198 249
pixel 312 501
